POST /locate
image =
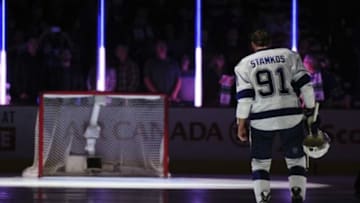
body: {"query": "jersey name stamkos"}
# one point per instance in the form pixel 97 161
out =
pixel 266 86
pixel 267 60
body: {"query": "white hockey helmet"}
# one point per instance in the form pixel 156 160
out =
pixel 316 146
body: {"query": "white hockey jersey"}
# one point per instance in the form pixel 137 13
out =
pixel 268 85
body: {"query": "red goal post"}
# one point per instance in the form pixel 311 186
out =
pixel 128 133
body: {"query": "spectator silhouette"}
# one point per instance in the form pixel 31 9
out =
pixel 162 73
pixel 127 71
pixel 218 82
pixel 66 76
pixel 326 87
pixel 186 94
pixel 25 78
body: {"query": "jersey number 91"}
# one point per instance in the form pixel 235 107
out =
pixel 266 81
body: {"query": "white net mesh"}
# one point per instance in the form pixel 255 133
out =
pixel 131 140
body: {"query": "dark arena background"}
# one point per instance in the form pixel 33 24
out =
pixel 77 46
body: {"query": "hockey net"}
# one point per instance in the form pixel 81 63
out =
pixel 133 138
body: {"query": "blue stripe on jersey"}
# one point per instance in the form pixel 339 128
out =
pixel 297 170
pixel 300 82
pixel 275 113
pixel 260 175
pixel 246 93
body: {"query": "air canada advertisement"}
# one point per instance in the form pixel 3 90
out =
pixel 193 134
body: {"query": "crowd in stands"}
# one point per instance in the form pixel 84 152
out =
pixel 150 47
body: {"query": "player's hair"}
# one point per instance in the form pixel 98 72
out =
pixel 261 38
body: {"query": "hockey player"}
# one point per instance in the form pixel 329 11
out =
pixel 269 83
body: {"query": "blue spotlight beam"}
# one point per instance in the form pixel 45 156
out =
pixel 3 22
pixel 3 55
pixel 294 25
pixel 198 56
pixel 100 83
